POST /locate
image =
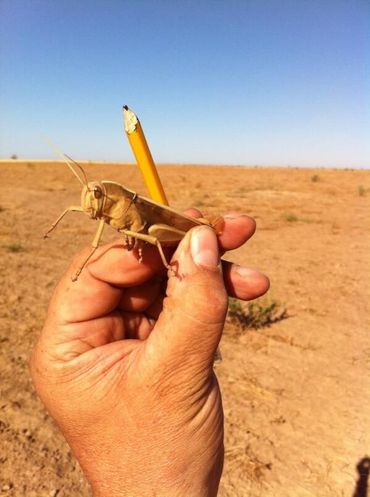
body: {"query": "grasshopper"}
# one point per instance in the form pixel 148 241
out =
pixel 137 218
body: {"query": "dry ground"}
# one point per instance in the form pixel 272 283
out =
pixel 296 395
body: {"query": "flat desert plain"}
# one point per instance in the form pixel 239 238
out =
pixel 296 394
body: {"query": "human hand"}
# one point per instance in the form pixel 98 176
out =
pixel 128 374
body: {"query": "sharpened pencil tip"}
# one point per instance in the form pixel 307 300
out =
pixel 125 107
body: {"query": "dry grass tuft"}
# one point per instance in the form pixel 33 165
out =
pixel 362 191
pixel 13 247
pixel 289 217
pixel 255 315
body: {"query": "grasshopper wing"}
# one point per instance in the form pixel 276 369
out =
pixel 162 214
pixel 153 213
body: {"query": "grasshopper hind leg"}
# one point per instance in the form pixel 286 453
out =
pixel 149 239
pixel 161 253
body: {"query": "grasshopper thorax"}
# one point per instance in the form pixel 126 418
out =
pixel 92 199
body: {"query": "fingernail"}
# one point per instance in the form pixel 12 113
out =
pixel 204 247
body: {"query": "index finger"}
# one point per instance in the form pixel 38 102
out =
pixel 237 229
pixel 99 287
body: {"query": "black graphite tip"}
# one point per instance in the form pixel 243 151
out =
pixel 125 107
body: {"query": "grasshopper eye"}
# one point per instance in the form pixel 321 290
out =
pixel 98 192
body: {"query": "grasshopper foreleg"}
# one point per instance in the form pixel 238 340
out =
pixel 149 239
pixel 95 245
pixel 73 208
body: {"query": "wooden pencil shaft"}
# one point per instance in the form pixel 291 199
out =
pixel 143 156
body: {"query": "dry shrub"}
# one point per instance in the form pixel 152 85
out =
pixel 13 247
pixel 289 217
pixel 362 191
pixel 257 314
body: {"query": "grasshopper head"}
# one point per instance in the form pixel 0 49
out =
pixel 92 199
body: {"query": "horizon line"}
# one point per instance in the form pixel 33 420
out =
pixel 192 164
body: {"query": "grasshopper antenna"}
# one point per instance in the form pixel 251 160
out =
pixel 79 166
pixel 69 162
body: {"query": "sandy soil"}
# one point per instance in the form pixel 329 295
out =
pixel 296 394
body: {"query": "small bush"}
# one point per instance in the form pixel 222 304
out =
pixel 290 217
pixel 241 192
pixel 257 314
pixel 315 178
pixel 14 247
pixel 362 191
pixel 199 203
pixel 14 157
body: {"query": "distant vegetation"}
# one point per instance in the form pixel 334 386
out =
pixel 315 178
pixel 290 217
pixel 13 247
pixel 257 314
pixel 362 191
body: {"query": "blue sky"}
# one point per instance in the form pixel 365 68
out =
pixel 280 82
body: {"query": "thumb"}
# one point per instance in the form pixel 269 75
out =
pixel 193 316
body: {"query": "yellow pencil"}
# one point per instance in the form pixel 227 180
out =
pixel 143 156
pixel 145 161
